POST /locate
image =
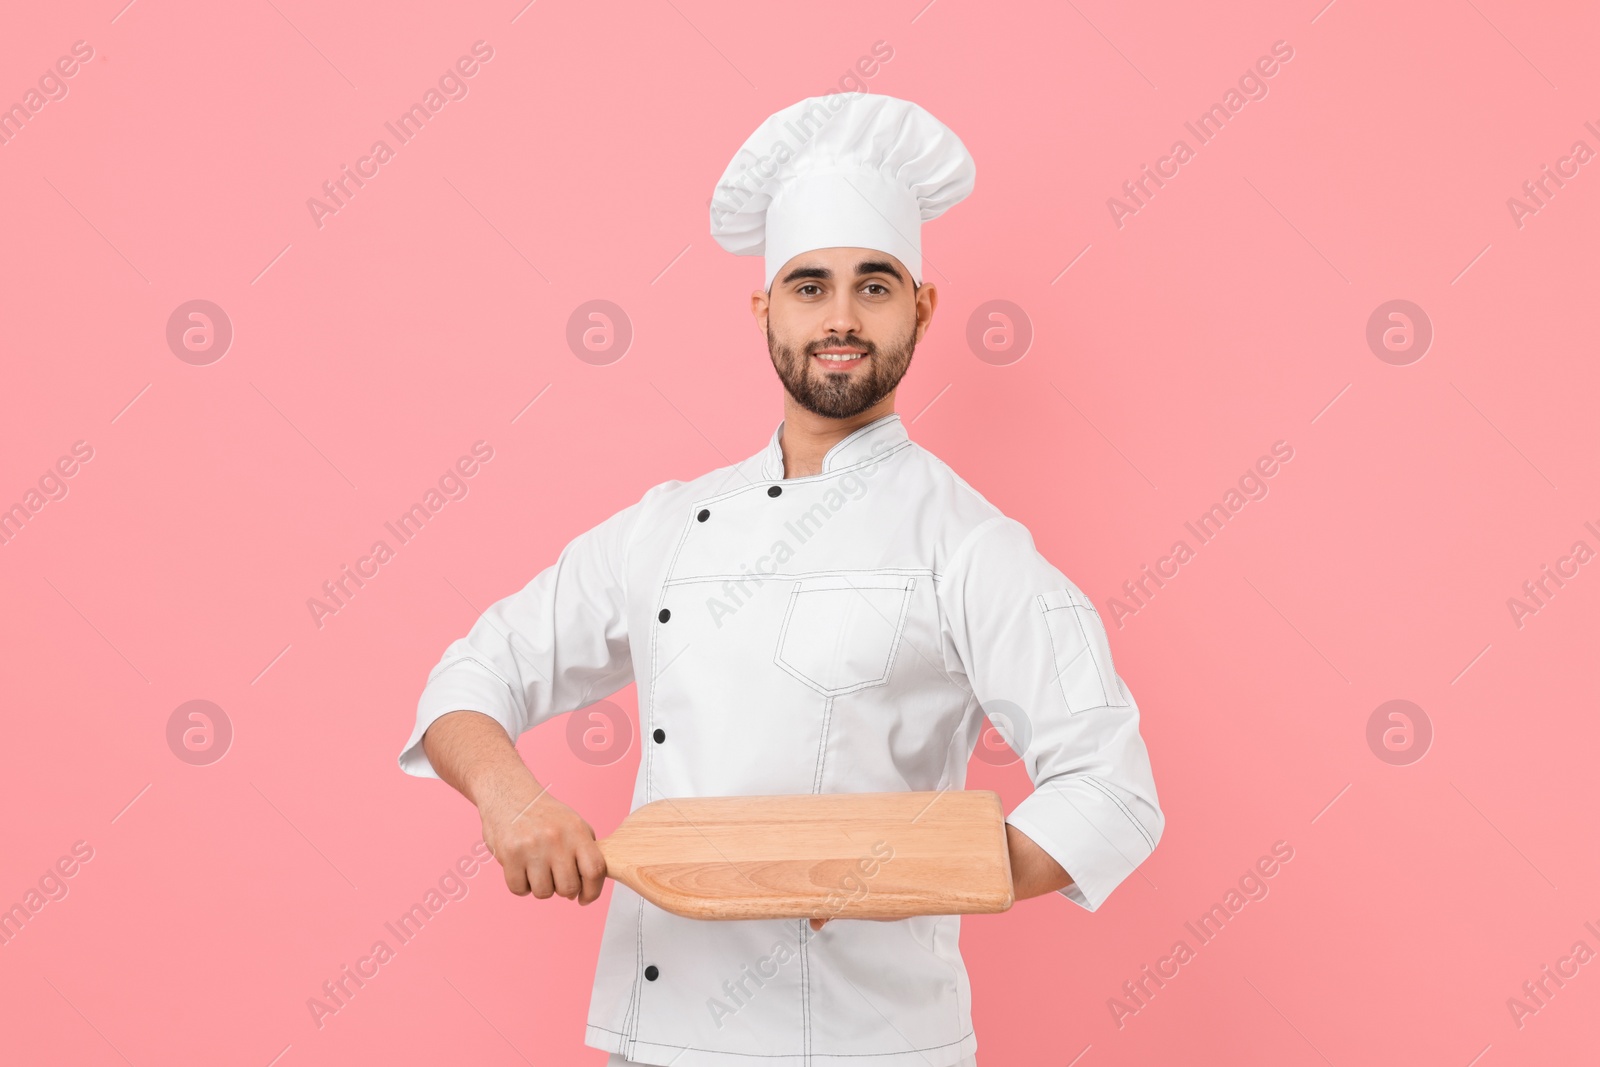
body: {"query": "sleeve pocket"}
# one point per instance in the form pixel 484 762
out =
pixel 1081 651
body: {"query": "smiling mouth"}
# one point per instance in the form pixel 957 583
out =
pixel 837 358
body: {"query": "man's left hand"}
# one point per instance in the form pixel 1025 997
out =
pixel 816 924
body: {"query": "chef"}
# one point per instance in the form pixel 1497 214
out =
pixel 834 614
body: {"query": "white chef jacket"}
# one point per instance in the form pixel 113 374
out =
pixel 837 633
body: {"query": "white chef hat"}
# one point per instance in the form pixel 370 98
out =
pixel 843 170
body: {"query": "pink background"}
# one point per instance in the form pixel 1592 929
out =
pixel 1229 313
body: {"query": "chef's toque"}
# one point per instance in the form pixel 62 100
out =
pixel 843 170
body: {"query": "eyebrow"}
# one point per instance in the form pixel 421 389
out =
pixel 865 267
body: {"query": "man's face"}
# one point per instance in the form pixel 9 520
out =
pixel 841 325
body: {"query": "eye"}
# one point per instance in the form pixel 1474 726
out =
pixel 877 285
pixel 808 285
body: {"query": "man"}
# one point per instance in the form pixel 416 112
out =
pixel 833 614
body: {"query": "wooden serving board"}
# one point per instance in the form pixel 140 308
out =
pixel 817 855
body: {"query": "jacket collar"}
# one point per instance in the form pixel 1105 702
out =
pixel 875 437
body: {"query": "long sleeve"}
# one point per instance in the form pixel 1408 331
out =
pixel 1035 653
pixel 558 644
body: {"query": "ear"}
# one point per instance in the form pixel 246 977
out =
pixel 760 306
pixel 927 298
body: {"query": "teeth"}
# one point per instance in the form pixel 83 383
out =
pixel 839 358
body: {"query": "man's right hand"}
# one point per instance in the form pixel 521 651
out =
pixel 544 847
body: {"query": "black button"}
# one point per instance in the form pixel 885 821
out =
pixel 704 514
pixel 650 973
pixel 774 490
pixel 665 615
pixel 660 735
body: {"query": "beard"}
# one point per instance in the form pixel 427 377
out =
pixel 841 394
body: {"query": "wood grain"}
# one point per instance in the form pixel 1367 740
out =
pixel 817 855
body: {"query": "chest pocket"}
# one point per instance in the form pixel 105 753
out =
pixel 841 632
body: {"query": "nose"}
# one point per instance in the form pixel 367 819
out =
pixel 841 318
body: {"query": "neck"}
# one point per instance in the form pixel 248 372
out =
pixel 807 436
